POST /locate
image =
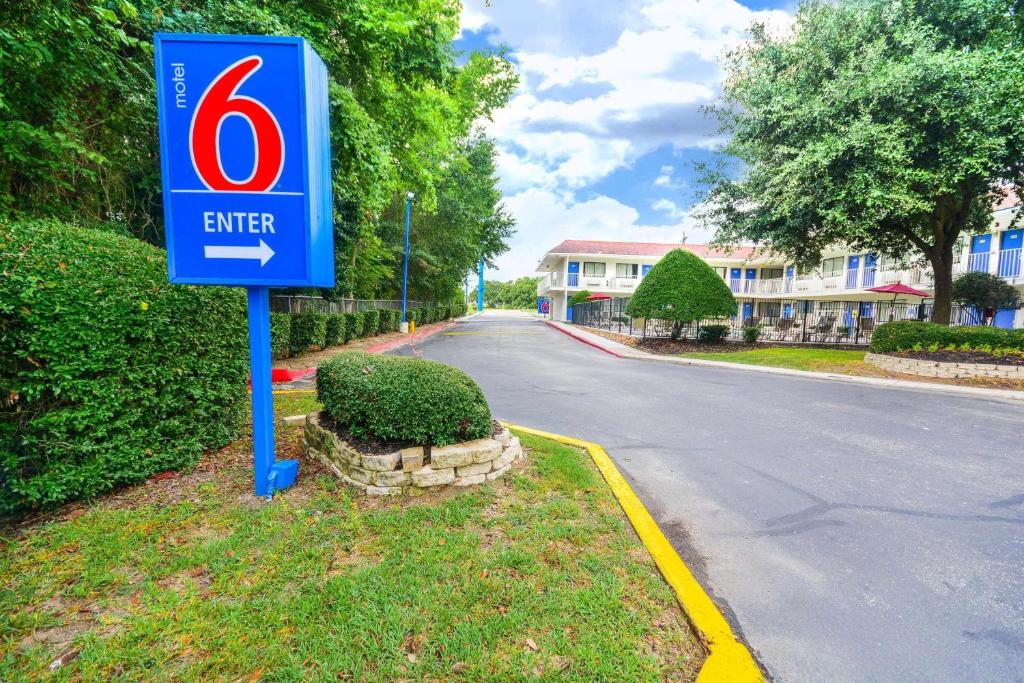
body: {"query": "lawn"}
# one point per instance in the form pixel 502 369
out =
pixel 189 577
pixel 821 360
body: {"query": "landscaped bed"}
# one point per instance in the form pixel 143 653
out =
pixel 189 576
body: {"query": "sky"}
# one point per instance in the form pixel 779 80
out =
pixel 601 139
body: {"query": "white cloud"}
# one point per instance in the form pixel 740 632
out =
pixel 663 180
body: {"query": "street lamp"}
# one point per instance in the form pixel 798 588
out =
pixel 409 196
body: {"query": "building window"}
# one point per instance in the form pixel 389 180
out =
pixel 832 267
pixel 771 273
pixel 722 272
pixel 593 269
pixel 627 270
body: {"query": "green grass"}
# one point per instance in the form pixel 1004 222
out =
pixel 823 360
pixel 536 574
pixel 296 404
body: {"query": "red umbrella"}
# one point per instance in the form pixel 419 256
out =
pixel 598 297
pixel 896 290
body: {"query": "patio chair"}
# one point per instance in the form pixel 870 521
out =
pixel 824 328
pixel 785 326
pixel 867 327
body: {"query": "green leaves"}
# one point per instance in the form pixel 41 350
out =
pixel 104 390
pixel 683 288
pixel 402 399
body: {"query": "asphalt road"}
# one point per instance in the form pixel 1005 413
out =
pixel 849 532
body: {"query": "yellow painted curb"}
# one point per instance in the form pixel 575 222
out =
pixel 728 659
pixel 294 391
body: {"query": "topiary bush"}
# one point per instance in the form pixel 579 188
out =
pixel 280 334
pixel 911 335
pixel 335 333
pixel 371 321
pixel 109 373
pixel 751 333
pixel 403 399
pixel 309 330
pixel 353 326
pixel 682 288
pixel 389 318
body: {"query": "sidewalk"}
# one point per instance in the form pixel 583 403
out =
pixel 622 351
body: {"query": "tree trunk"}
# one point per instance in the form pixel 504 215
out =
pixel 942 265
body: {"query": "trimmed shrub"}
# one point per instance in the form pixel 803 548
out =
pixel 371 321
pixel 110 374
pixel 280 334
pixel 335 329
pixel 309 330
pixel 712 334
pixel 389 319
pixel 353 326
pixel 912 335
pixel 682 288
pixel 751 333
pixel 398 398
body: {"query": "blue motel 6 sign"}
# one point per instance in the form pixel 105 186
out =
pixel 245 157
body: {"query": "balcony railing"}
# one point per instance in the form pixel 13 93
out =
pixel 574 279
pixel 1009 263
pixel 624 282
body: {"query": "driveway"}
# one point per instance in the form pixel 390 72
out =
pixel 849 532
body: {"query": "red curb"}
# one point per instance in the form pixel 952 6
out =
pixel 286 375
pixel 402 341
pixel 582 339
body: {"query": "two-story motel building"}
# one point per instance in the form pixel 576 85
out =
pixel 766 286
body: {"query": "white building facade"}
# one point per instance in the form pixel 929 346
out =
pixel 767 288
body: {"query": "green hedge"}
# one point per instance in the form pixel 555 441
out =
pixel 109 373
pixel 280 334
pixel 389 320
pixel 335 329
pixel 371 319
pixel 353 326
pixel 924 336
pixel 412 315
pixel 398 398
pixel 309 331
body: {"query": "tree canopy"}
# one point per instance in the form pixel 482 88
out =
pixel 518 293
pixel 882 125
pixel 982 290
pixel 78 137
pixel 683 288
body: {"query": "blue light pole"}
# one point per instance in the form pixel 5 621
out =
pixel 409 196
pixel 480 287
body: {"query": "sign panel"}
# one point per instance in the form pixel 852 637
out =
pixel 245 154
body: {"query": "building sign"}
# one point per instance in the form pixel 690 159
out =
pixel 245 155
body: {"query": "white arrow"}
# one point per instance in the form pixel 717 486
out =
pixel 263 252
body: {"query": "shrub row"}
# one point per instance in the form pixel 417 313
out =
pixel 109 373
pixel 293 333
pixel 923 336
pixel 398 398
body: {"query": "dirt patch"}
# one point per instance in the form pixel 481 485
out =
pixel 1014 359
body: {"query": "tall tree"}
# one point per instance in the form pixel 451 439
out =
pixel 881 125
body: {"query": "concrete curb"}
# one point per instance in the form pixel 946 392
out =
pixel 728 659
pixel 410 339
pixel 623 351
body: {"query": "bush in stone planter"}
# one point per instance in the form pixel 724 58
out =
pixel 402 399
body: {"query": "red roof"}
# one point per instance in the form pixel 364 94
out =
pixel 1009 201
pixel 644 249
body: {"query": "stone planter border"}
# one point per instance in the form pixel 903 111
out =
pixel 461 464
pixel 930 368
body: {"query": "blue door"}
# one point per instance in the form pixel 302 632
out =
pixel 853 265
pixel 748 310
pixel 574 273
pixel 980 246
pixel 870 266
pixel 646 268
pixel 1009 253
pixel 787 310
pixel 734 278
pixel 751 276
pixel 1004 318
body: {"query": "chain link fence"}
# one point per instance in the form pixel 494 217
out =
pixel 780 320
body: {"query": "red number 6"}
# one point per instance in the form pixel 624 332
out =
pixel 216 104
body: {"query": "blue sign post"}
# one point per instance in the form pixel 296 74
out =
pixel 480 286
pixel 245 156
